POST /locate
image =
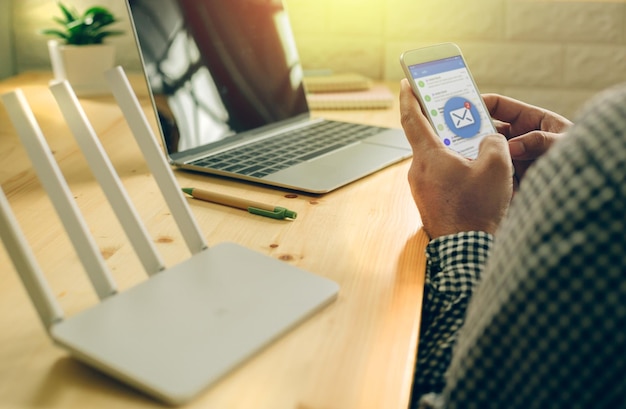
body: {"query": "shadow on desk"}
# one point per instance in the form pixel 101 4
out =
pixel 68 375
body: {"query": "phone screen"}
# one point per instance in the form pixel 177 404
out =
pixel 453 103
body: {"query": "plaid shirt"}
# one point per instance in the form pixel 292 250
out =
pixel 546 325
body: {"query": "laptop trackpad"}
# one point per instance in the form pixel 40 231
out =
pixel 328 172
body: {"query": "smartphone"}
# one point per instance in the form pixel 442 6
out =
pixel 448 96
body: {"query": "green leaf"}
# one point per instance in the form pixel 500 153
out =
pixel 97 10
pixel 87 28
pixel 98 17
pixel 56 33
pixel 58 20
pixel 70 15
pixel 103 34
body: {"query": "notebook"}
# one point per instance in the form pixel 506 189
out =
pixel 227 87
pixel 376 97
pixel 339 82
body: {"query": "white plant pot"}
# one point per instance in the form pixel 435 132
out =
pixel 82 65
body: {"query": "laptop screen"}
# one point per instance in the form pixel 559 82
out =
pixel 218 68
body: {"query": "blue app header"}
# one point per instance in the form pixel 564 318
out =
pixel 436 67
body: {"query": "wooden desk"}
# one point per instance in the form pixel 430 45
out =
pixel 356 353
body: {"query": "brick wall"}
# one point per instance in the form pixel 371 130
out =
pixel 552 53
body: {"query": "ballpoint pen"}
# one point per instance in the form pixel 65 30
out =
pixel 261 209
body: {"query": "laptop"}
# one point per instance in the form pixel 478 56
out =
pixel 227 86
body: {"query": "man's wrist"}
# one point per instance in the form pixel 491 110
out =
pixel 466 249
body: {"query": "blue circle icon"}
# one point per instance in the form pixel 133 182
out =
pixel 462 117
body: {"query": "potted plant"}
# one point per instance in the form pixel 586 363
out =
pixel 80 54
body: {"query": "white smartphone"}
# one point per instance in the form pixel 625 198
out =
pixel 448 96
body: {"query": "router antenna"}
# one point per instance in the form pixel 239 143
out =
pixel 24 261
pixel 108 179
pixel 162 172
pixel 52 180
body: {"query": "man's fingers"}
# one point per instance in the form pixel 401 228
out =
pixel 524 117
pixel 493 151
pixel 508 109
pixel 418 130
pixel 532 145
pixel 503 128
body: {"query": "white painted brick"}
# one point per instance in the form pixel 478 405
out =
pixel 496 64
pixel 570 21
pixel 451 19
pixel 566 102
pixel 361 55
pixel 595 66
pixel 392 71
pixel 554 54
pixel 360 17
pixel 521 65
pixel 308 17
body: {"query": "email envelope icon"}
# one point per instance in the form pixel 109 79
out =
pixel 461 117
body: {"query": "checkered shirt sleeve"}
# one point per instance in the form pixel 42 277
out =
pixel 454 264
pixel 546 326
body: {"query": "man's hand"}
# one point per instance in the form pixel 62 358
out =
pixel 452 193
pixel 531 130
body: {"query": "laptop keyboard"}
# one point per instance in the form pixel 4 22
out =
pixel 265 157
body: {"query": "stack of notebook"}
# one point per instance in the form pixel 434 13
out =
pixel 345 91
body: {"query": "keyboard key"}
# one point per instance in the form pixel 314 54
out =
pixel 265 157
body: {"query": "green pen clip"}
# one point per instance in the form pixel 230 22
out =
pixel 277 213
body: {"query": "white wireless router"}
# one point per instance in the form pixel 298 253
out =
pixel 179 331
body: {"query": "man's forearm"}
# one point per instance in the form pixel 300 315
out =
pixel 455 264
